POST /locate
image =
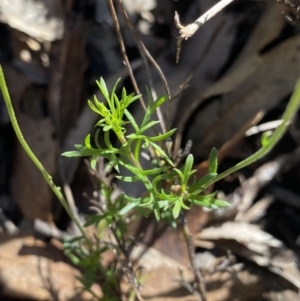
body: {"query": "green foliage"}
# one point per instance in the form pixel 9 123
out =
pixel 168 188
pixel 92 269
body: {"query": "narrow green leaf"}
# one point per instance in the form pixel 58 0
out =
pixel 115 87
pixel 184 206
pixel 93 162
pixel 209 201
pixel 158 103
pixel 72 154
pixel 93 108
pixel 196 187
pixel 170 197
pixel 103 110
pixel 102 86
pixel 164 136
pixel 146 117
pixel 176 209
pixel 132 121
pixel 148 109
pixel 87 141
pixel 71 241
pixel 201 200
pixel 161 153
pixel 75 260
pixel 133 169
pixel 115 162
pixel 213 161
pixel 148 126
pixel 146 142
pixel 83 152
pixel 96 138
pixel 156 187
pixel 154 171
pixel 100 123
pixel 115 105
pixel 124 94
pixel 157 214
pixel 107 128
pixel 79 147
pixel 134 136
pixel 163 204
pixel 179 172
pixel 137 151
pixel 131 199
pixel 221 203
pixel 188 168
pixel 107 140
pixel 265 138
pixel 128 179
pixel 128 208
pixel 205 198
pixel 131 98
pixel 93 220
pixel 148 204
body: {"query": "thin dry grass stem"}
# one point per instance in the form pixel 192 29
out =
pixel 145 54
pixel 127 268
pixel 182 87
pixel 138 42
pixel 191 251
pixel 187 31
pixel 133 281
pixel 124 54
pixel 70 199
pixel 190 288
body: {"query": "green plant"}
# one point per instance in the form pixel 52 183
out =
pixel 169 189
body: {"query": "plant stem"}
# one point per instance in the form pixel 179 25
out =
pixel 124 54
pixel 191 251
pixel 128 150
pixel 287 117
pixel 35 160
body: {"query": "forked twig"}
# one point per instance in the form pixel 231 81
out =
pixel 188 30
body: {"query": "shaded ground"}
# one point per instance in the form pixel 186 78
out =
pixel 245 63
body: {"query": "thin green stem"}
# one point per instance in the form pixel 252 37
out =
pixel 287 117
pixel 134 161
pixel 35 160
pixel 137 149
pixel 128 151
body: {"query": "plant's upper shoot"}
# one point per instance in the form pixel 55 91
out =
pixel 168 189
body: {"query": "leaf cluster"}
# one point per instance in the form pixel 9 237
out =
pixel 168 189
pixel 92 269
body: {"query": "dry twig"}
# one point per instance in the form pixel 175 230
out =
pixel 146 54
pixel 124 54
pixel 188 30
pixel 201 294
